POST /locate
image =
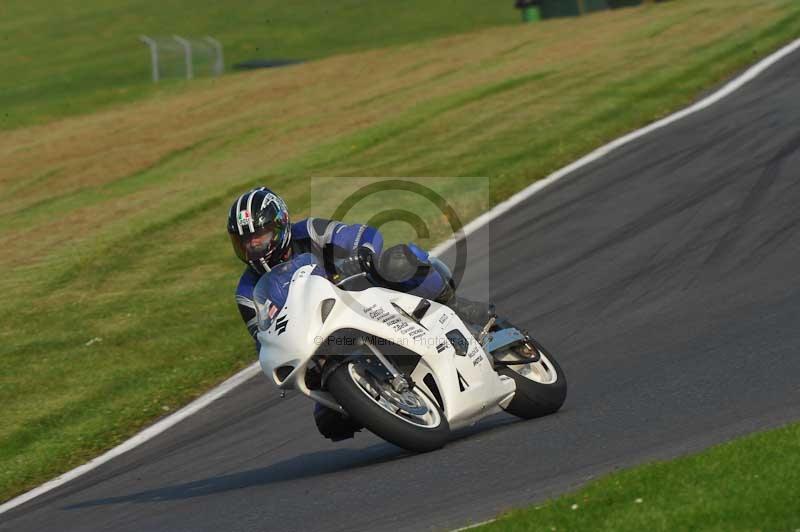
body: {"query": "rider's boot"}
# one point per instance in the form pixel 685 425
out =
pixel 333 425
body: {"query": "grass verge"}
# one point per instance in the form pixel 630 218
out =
pixel 72 57
pixel 111 224
pixel 752 483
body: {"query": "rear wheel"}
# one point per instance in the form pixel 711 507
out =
pixel 541 385
pixel 409 419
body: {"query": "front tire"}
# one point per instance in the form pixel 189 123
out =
pixel 370 402
pixel 541 386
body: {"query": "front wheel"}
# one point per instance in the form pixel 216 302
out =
pixel 541 385
pixel 409 419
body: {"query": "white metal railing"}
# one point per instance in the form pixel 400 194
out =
pixel 162 48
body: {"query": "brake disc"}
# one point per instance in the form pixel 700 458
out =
pixel 406 401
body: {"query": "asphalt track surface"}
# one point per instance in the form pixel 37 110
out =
pixel 665 277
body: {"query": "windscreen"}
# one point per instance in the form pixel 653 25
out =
pixel 266 310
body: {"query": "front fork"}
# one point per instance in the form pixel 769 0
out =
pixel 376 363
pixel 508 338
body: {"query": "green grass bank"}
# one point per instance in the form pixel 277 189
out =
pixel 112 223
pixel 73 56
pixel 751 483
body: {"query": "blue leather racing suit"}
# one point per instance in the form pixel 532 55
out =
pixel 332 245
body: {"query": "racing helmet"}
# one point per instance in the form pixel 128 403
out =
pixel 259 227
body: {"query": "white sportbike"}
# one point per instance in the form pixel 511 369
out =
pixel 406 368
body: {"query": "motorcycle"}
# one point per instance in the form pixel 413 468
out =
pixel 406 368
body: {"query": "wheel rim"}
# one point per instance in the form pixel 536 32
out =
pixel 411 406
pixel 542 371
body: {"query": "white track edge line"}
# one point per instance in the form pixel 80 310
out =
pixel 475 525
pixel 602 151
pixel 140 438
pixel 501 208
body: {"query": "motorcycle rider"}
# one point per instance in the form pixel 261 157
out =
pixel 264 238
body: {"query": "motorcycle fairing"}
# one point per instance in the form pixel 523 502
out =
pixel 468 385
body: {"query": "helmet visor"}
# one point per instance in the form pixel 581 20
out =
pixel 257 245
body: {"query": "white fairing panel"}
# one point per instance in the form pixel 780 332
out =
pixel 468 385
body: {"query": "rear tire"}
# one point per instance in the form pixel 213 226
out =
pixel 536 399
pixel 393 428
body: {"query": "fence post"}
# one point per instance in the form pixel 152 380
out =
pixel 219 63
pixel 153 54
pixel 187 50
